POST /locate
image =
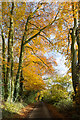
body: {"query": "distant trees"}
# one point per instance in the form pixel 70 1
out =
pixel 57 89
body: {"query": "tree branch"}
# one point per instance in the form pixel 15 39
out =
pixel 41 30
pixel 39 57
pixel 47 39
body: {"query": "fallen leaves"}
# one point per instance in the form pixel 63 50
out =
pixel 25 111
pixel 54 112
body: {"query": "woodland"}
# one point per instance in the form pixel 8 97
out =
pixel 29 30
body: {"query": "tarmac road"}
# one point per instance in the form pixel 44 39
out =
pixel 40 111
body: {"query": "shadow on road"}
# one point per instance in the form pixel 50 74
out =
pixel 40 111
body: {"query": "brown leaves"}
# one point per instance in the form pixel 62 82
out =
pixel 54 112
pixel 23 113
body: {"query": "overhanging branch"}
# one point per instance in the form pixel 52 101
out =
pixel 41 30
pixel 38 56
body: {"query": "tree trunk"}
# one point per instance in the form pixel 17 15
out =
pixel 76 65
pixel 74 53
pixel 8 74
pixel 17 81
pixel 12 67
pixel 21 85
pixel 74 62
pixel 78 40
pixel 3 68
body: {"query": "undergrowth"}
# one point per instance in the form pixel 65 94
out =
pixel 10 109
pixel 64 105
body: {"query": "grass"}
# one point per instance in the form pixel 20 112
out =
pixel 18 109
pixel 15 110
pixel 10 109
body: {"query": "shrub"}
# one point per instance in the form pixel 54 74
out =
pixel 64 105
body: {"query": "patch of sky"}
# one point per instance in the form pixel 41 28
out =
pixel 60 59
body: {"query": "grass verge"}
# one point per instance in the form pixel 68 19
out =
pixel 15 110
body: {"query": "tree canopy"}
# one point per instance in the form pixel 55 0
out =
pixel 29 30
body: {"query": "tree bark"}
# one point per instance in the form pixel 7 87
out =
pixel 8 73
pixel 75 64
pixel 12 67
pixel 21 85
pixel 3 68
pixel 17 81
pixel 78 40
pixel 74 53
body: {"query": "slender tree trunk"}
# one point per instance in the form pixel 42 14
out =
pixel 17 81
pixel 78 39
pixel 74 60
pixel 3 68
pixel 75 65
pixel 12 67
pixel 21 85
pixel 8 74
pixel 1 82
pixel 74 53
pixel 12 73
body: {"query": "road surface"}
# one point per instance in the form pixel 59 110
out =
pixel 40 111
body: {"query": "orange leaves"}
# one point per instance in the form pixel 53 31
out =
pixel 53 60
pixel 60 23
pixel 33 81
pixel 35 63
pixel 31 78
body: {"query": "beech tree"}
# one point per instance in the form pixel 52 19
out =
pixel 79 45
pixel 74 32
pixel 24 42
pixel 29 30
